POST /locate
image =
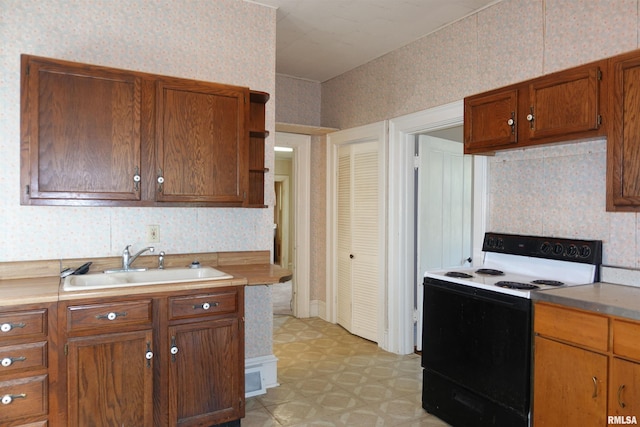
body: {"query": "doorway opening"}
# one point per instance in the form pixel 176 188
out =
pixel 292 222
pixel 282 293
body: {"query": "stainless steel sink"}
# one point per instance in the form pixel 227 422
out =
pixel 142 278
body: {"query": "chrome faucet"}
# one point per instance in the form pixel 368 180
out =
pixel 127 258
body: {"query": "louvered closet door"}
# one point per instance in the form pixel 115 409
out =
pixel 358 246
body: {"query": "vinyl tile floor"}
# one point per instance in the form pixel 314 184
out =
pixel 329 377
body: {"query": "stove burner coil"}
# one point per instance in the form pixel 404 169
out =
pixel 458 274
pixel 490 272
pixel 516 285
pixel 547 282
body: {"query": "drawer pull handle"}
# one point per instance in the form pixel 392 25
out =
pixel 595 387
pixel 8 398
pixel 206 305
pixel 111 316
pixel 8 361
pixel 7 327
pixel 620 402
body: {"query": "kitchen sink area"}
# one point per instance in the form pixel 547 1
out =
pixel 141 278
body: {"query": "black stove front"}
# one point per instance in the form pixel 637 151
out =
pixel 476 342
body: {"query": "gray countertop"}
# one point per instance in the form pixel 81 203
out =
pixel 602 297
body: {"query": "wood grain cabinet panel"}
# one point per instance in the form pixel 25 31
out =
pixel 110 380
pixel 100 136
pixel 563 106
pixel 204 388
pixel 24 398
pixel 202 142
pixel 623 145
pixel 578 327
pixel 570 386
pixel 624 388
pixel 565 103
pixel 81 128
pixel 490 120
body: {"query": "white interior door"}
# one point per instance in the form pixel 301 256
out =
pixel 358 231
pixel 444 210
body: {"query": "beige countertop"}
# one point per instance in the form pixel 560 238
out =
pixel 601 297
pixel 49 289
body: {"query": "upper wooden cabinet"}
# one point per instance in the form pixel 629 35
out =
pixel 81 129
pixel 560 106
pixel 94 135
pixel 201 142
pixel 623 145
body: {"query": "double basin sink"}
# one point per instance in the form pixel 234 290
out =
pixel 141 278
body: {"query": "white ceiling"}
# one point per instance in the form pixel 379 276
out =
pixel 321 39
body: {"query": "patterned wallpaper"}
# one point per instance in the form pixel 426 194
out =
pixel 226 41
pixel 513 40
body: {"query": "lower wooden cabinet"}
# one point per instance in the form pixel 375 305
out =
pixel 110 380
pixel 584 378
pixel 159 360
pixel 27 361
pixel 569 385
pixel 204 385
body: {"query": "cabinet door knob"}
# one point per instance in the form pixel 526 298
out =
pixel 8 398
pixel 206 305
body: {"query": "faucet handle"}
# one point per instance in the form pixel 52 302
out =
pixel 126 249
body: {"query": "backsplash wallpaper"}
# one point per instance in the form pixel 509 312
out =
pixel 226 41
pixel 557 190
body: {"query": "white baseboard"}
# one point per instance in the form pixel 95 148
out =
pixel 267 369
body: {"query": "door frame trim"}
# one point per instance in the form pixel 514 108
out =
pixel 301 145
pixel 401 232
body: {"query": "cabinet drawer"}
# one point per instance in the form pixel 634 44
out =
pixel 625 339
pixel 23 397
pixel 30 324
pixel 203 305
pixel 118 314
pixel 15 358
pixel 590 330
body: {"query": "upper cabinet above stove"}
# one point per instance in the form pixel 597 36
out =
pixel 561 106
pixel 99 136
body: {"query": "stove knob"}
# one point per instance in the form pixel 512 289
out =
pixel 545 248
pixel 490 242
pixel 585 251
pixel 572 251
pixel 558 249
pixel 500 243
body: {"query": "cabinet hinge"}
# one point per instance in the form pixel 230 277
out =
pixel 27 189
pixel 241 402
pixel 66 349
pixel 599 120
pixel 599 74
pixel 28 69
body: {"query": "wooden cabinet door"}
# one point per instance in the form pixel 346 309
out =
pixel 206 373
pixel 624 388
pixel 110 380
pixel 570 386
pixel 564 103
pixel 81 133
pixel 202 142
pixel 490 121
pixel 623 144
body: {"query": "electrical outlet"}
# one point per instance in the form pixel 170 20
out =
pixel 153 233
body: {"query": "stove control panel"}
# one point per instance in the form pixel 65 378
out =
pixel 575 250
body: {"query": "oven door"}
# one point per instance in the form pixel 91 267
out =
pixel 476 351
